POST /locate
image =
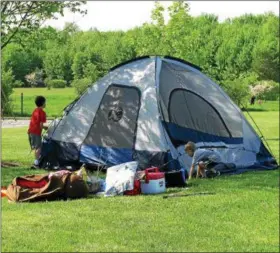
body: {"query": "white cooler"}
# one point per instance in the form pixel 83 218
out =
pixel 154 182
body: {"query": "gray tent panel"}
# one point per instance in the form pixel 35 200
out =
pixel 188 110
pixel 174 76
pixel 116 119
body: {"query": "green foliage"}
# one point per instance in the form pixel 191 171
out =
pixel 91 72
pixel 21 62
pixel 238 91
pixel 36 78
pixel 56 83
pixel 273 93
pixel 238 88
pixel 20 18
pixel 267 90
pixel 229 52
pixel 17 84
pixel 266 51
pixel 81 85
pixel 7 82
pixel 57 62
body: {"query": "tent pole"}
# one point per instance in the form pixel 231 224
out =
pixel 262 136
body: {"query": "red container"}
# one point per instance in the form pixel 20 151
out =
pixel 136 190
pixel 153 174
pixel 3 191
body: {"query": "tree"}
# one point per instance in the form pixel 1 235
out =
pixel 57 62
pixel 7 80
pixel 25 17
pixel 20 61
pixel 266 52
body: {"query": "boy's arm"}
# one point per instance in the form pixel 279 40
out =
pixel 191 171
pixel 42 126
pixel 193 164
pixel 43 120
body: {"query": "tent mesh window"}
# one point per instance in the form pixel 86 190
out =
pixel 209 97
pixel 188 110
pixel 116 118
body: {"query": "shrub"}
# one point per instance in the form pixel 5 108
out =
pixel 238 91
pixel 35 79
pixel 17 84
pixel 55 83
pixel 81 85
pixel 268 90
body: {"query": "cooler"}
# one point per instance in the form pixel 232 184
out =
pixel 154 182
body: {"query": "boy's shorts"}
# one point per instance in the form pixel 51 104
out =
pixel 35 141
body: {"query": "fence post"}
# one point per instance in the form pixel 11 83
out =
pixel 21 107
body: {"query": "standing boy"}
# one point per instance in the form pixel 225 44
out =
pixel 36 125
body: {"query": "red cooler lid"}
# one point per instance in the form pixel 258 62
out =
pixel 155 175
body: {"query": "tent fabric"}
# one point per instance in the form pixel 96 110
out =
pixel 185 77
pixel 116 118
pixel 195 113
pixel 145 110
pixel 182 135
pixel 105 155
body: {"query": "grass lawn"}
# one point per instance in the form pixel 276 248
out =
pixel 57 99
pixel 243 215
pixel 264 106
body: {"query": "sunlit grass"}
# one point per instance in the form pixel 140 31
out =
pixel 242 215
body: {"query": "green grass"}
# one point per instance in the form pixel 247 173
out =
pixel 242 216
pixel 268 123
pixel 264 106
pixel 57 99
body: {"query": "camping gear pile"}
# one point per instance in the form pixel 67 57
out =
pixel 53 186
pixel 122 179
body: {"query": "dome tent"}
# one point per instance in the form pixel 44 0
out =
pixel 146 109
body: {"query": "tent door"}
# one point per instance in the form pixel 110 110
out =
pixel 115 122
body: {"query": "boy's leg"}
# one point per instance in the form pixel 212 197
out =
pixel 198 172
pixel 37 153
pixel 212 169
pixel 36 143
pixel 201 170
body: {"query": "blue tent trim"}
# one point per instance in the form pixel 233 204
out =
pixel 182 134
pixel 105 155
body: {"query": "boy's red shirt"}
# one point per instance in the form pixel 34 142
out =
pixel 38 116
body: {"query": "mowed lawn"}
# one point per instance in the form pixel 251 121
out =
pixel 57 99
pixel 242 215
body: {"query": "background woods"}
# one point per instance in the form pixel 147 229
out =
pixel 239 53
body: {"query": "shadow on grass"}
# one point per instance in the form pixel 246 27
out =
pixel 254 110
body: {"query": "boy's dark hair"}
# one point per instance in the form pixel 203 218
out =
pixel 40 100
